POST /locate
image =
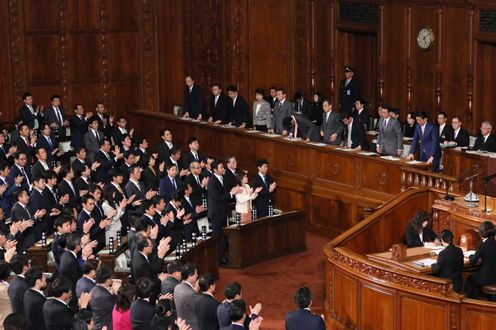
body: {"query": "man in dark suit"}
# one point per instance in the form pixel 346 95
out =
pixel 361 114
pixel 54 115
pixel 107 160
pixel 47 141
pixel 218 198
pixel 194 106
pixel 193 154
pixel 20 168
pixel 69 267
pixel 84 180
pixel 165 146
pixel 178 221
pixel 486 141
pixel 348 91
pixel 271 98
pixel 18 286
pixel 103 298
pixel 42 165
pixel 219 103
pixel 144 264
pixel 142 311
pixel 30 113
pixel 206 305
pixel 34 298
pixel 39 201
pixel 237 108
pixel 458 134
pixel 88 281
pixel 56 311
pixel 62 226
pixel 238 318
pixel 168 184
pixel 7 151
pixel 298 126
pixel 105 121
pixel 197 183
pixel 450 261
pixel 302 106
pixel 7 198
pixel 430 151
pixel 390 137
pixel 21 211
pixel 66 186
pixel 444 128
pixel 354 133
pixel 303 318
pixel 26 142
pixel 120 130
pixel 79 126
pixel 136 188
pixel 264 198
pixel 283 108
pixel 230 172
pixel 191 212
pixel 174 270
pixel 331 130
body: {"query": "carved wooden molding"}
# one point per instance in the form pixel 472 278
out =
pixel 149 55
pixel 65 62
pixel 104 53
pixel 394 278
pixel 17 50
pixel 382 177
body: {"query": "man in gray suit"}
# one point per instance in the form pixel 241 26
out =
pixel 332 128
pixel 186 296
pixel 93 139
pixel 103 298
pixel 174 279
pixel 282 109
pixel 88 281
pixel 54 115
pixel 390 138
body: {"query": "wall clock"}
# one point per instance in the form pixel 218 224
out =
pixel 425 38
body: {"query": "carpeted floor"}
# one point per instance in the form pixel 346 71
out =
pixel 273 283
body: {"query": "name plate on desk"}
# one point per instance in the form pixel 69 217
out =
pixel 271 135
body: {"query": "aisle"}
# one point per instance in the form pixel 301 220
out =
pixel 273 283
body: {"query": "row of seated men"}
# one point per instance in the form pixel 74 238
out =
pixel 450 261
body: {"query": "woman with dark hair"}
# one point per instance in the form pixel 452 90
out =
pixel 261 112
pixel 450 261
pixel 486 254
pixel 418 232
pixel 151 175
pixel 316 109
pixel 5 308
pixel 245 197
pixel 121 315
pixel 410 123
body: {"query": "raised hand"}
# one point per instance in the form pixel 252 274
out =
pixel 256 323
pixel 259 189
pixel 150 194
pixel 84 300
pixel 256 309
pixel 154 232
pixel 88 224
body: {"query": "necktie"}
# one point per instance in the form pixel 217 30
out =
pixel 50 142
pixel 174 183
pixel 96 136
pixel 138 186
pixel 1 147
pixel 263 179
pixel 384 123
pixel 423 129
pixel 59 116
pixel 198 181
pixel 24 174
pixel 456 134
pixel 327 116
pixel 53 193
pixel 279 107
pixel 221 181
pixel 196 157
pixel 29 213
pixel 349 142
pixel 216 99
pixel 189 201
pixel 72 187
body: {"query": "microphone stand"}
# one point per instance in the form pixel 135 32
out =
pixel 486 180
pixel 447 197
pixel 471 194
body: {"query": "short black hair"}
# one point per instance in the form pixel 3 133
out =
pixel 188 270
pixel 141 242
pixel 232 289
pixel 50 175
pixel 144 287
pixel 34 273
pixel 54 96
pixel 60 286
pixel 205 281
pixel 14 321
pixel 89 265
pixel 18 262
pixel 72 240
pixel 59 221
pixel 447 236
pixel 4 270
pixel 192 139
pixel 486 229
pixel 215 165
pixel 421 114
pixel 26 95
pixel 303 297
pixel 174 267
pixel 260 91
pixel 261 162
pixel 444 114
pixel 237 310
pixel 232 88
pixel 103 274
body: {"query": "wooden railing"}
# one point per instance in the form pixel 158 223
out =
pixel 411 177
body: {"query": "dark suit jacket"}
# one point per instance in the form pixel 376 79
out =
pixel 151 179
pixel 193 102
pixel 26 148
pixel 218 198
pixel 486 253
pixel 15 172
pixel 446 133
pixel 304 319
pixel 462 139
pixel 225 320
pixel 143 268
pixel 65 188
pixel 42 142
pixel 164 151
pixel 220 110
pixel 3 155
pixel 102 304
pixel 264 198
pixel 117 135
pixel 91 144
pixel 58 316
pixel 80 184
pixel 28 237
pixel 168 285
pixel 166 188
pixel 229 179
pixel 7 199
pixel 16 290
pixel 238 113
pixel 39 201
pixel 39 170
pixel 429 146
pixel 363 118
pixel 348 94
pixel 83 285
pixel 102 173
pixel 314 113
pixel 489 145
pixel 332 125
pixel 306 128
pixel 449 265
pixel 79 127
pixel 132 189
pixel 188 157
pixel 142 313
pixel 358 137
pixel 32 312
pixel 50 117
pixel 69 268
pixel 412 239
pixel 197 195
pixel 57 250
pixel 175 228
pixel 27 117
pixel 206 312
pixel 106 129
pixel 78 166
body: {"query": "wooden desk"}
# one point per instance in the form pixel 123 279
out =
pixel 39 255
pixel 266 239
pixel 205 256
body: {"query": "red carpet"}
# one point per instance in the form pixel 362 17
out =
pixel 273 283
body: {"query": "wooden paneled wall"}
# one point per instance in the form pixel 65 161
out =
pixel 134 54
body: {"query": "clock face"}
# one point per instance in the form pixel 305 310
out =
pixel 425 38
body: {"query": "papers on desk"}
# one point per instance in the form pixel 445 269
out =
pixel 391 158
pixel 428 262
pixel 468 253
pixel 367 153
pixel 407 139
pixel 318 144
pixel 271 135
pixel 252 131
pixel 414 162
pixel 344 149
pixel 188 119
pixel 478 152
pixel 287 138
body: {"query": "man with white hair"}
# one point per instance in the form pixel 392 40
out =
pixel 486 141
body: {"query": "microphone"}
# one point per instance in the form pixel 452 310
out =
pixel 488 178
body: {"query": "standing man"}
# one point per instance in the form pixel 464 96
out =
pixel 360 114
pixel 218 106
pixel 332 128
pixel 428 135
pixel 444 128
pixel 218 198
pixel 354 136
pixel 390 138
pixel 348 91
pixel 55 116
pixel 79 126
pixel 303 318
pixel 283 108
pixel 193 100
pixel 238 109
pixel 31 113
pixel 264 198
